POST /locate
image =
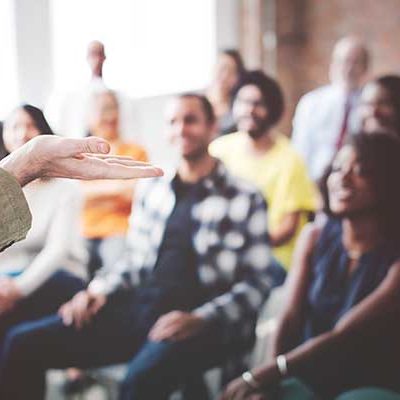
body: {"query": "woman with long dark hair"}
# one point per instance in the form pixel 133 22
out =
pixel 46 269
pixel 228 73
pixel 341 324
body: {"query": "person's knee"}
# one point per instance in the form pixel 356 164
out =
pixel 19 345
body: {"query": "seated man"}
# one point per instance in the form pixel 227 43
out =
pixel 264 156
pixel 188 290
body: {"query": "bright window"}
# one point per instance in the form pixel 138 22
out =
pixel 153 47
pixel 8 64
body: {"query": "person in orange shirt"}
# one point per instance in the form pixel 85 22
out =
pixel 107 204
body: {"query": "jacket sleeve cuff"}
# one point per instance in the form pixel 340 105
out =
pixel 105 285
pixel 16 218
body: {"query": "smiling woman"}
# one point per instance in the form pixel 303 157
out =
pixel 339 329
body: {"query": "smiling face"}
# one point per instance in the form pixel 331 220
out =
pixel 350 188
pixel 19 129
pixel 188 127
pixel 250 111
pixel 377 111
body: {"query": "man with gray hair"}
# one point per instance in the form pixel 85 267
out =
pixel 327 114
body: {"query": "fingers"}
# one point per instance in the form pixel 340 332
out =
pixel 166 327
pixel 91 145
pixel 76 311
pixel 113 156
pixel 95 168
pixel 69 147
pixel 65 312
pixel 97 303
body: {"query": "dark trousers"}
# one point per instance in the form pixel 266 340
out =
pixel 46 300
pixel 117 334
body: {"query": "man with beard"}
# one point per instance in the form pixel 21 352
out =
pixel 265 157
pixel 186 293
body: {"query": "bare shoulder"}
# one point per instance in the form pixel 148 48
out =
pixel 309 236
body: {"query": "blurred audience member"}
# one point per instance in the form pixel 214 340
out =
pixel 188 291
pixel 229 71
pixel 40 273
pixel 67 111
pixel 265 157
pixel 340 328
pixel 380 105
pixel 108 203
pixel 326 115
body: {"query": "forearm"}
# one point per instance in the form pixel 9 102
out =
pixel 325 361
pixel 287 229
pixel 287 334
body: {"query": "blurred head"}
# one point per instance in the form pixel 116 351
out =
pixel 349 64
pixel 191 125
pixel 380 105
pixel 258 104
pixel 23 124
pixel 95 57
pixel 103 118
pixel 229 70
pixel 362 180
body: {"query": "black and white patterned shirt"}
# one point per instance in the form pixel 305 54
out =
pixel 230 240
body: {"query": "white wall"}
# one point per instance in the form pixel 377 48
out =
pixel 228 24
pixel 35 71
pixel 33 39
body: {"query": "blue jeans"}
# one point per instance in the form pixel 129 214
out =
pixel 117 334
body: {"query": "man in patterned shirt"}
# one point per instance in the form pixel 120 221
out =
pixel 183 297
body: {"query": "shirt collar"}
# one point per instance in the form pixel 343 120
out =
pixel 209 183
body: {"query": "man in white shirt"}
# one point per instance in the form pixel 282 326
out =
pixel 327 114
pixel 67 111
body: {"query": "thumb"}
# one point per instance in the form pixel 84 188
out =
pixel 89 145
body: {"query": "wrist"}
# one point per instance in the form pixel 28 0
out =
pixel 97 288
pixel 15 169
pixel 282 365
pixel 267 376
pixel 251 381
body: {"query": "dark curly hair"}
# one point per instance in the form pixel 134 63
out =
pixel 271 92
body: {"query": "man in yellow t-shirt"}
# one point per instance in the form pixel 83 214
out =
pixel 264 156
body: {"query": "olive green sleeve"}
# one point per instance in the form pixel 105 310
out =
pixel 15 217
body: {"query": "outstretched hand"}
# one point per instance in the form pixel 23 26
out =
pixel 54 156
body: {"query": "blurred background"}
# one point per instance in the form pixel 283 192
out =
pixel 156 48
